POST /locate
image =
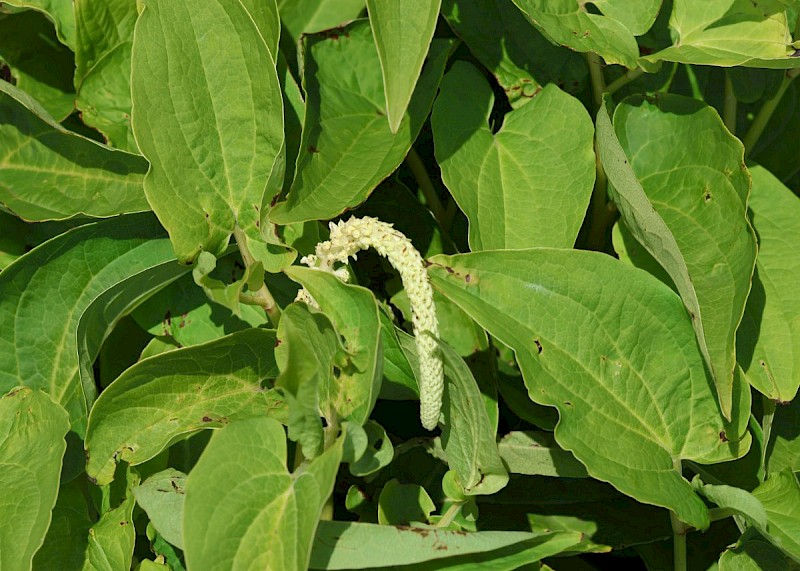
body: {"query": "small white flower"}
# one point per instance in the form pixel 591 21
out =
pixel 346 240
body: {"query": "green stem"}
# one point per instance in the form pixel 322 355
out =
pixel 624 79
pixel 601 214
pixel 597 78
pixel 425 184
pixel 449 515
pixel 679 531
pixel 261 297
pixel 766 111
pixel 766 428
pixel 729 105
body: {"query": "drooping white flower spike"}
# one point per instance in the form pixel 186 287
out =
pixel 356 234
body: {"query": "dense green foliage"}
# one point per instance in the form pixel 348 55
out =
pixel 580 229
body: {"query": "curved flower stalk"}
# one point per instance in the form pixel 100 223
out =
pixel 356 234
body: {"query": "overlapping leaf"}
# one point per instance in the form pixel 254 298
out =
pixel 527 185
pixel 514 51
pixel 103 67
pixel 208 115
pixel 730 33
pixel 162 496
pixel 166 397
pixel 59 11
pixel 241 492
pixel 768 340
pixel 307 347
pixel 610 33
pixel 403 30
pixel 348 545
pixel 47 172
pixel 537 454
pixel 111 539
pixel 626 377
pixel 309 16
pixel 32 445
pixel 347 147
pixel 468 436
pixel 39 64
pixel 64 546
pixel 354 312
pixel 685 200
pixel 39 341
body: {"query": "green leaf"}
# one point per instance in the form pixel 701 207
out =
pixel 64 546
pixel 403 30
pixel 738 500
pixel 401 504
pixel 240 492
pixel 378 454
pixel 50 173
pixel 527 185
pixel 399 380
pixel 40 65
pixel 182 312
pixel 468 436
pixel 91 266
pixel 177 393
pixel 684 199
pixel 223 293
pixel 538 454
pixel 103 67
pixel 211 154
pixel 309 16
pixel 267 20
pixel 785 452
pixel 755 554
pixel 768 340
pixel 112 538
pixel 162 496
pixel 354 312
pixel 515 52
pixel 59 11
pixel 780 495
pixel 306 351
pixel 348 545
pixel 729 33
pixel 616 380
pixel 611 33
pixel 347 146
pixel 32 430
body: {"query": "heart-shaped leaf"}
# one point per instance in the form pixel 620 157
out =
pixel 528 184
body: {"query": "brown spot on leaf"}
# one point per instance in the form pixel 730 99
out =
pixel 313 149
pixel 722 436
pixel 538 345
pixel 207 419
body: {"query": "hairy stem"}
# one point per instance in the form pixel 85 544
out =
pixel 624 79
pixel 261 297
pixel 729 105
pixel 766 111
pixel 426 186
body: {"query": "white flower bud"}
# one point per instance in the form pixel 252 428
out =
pixel 348 238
